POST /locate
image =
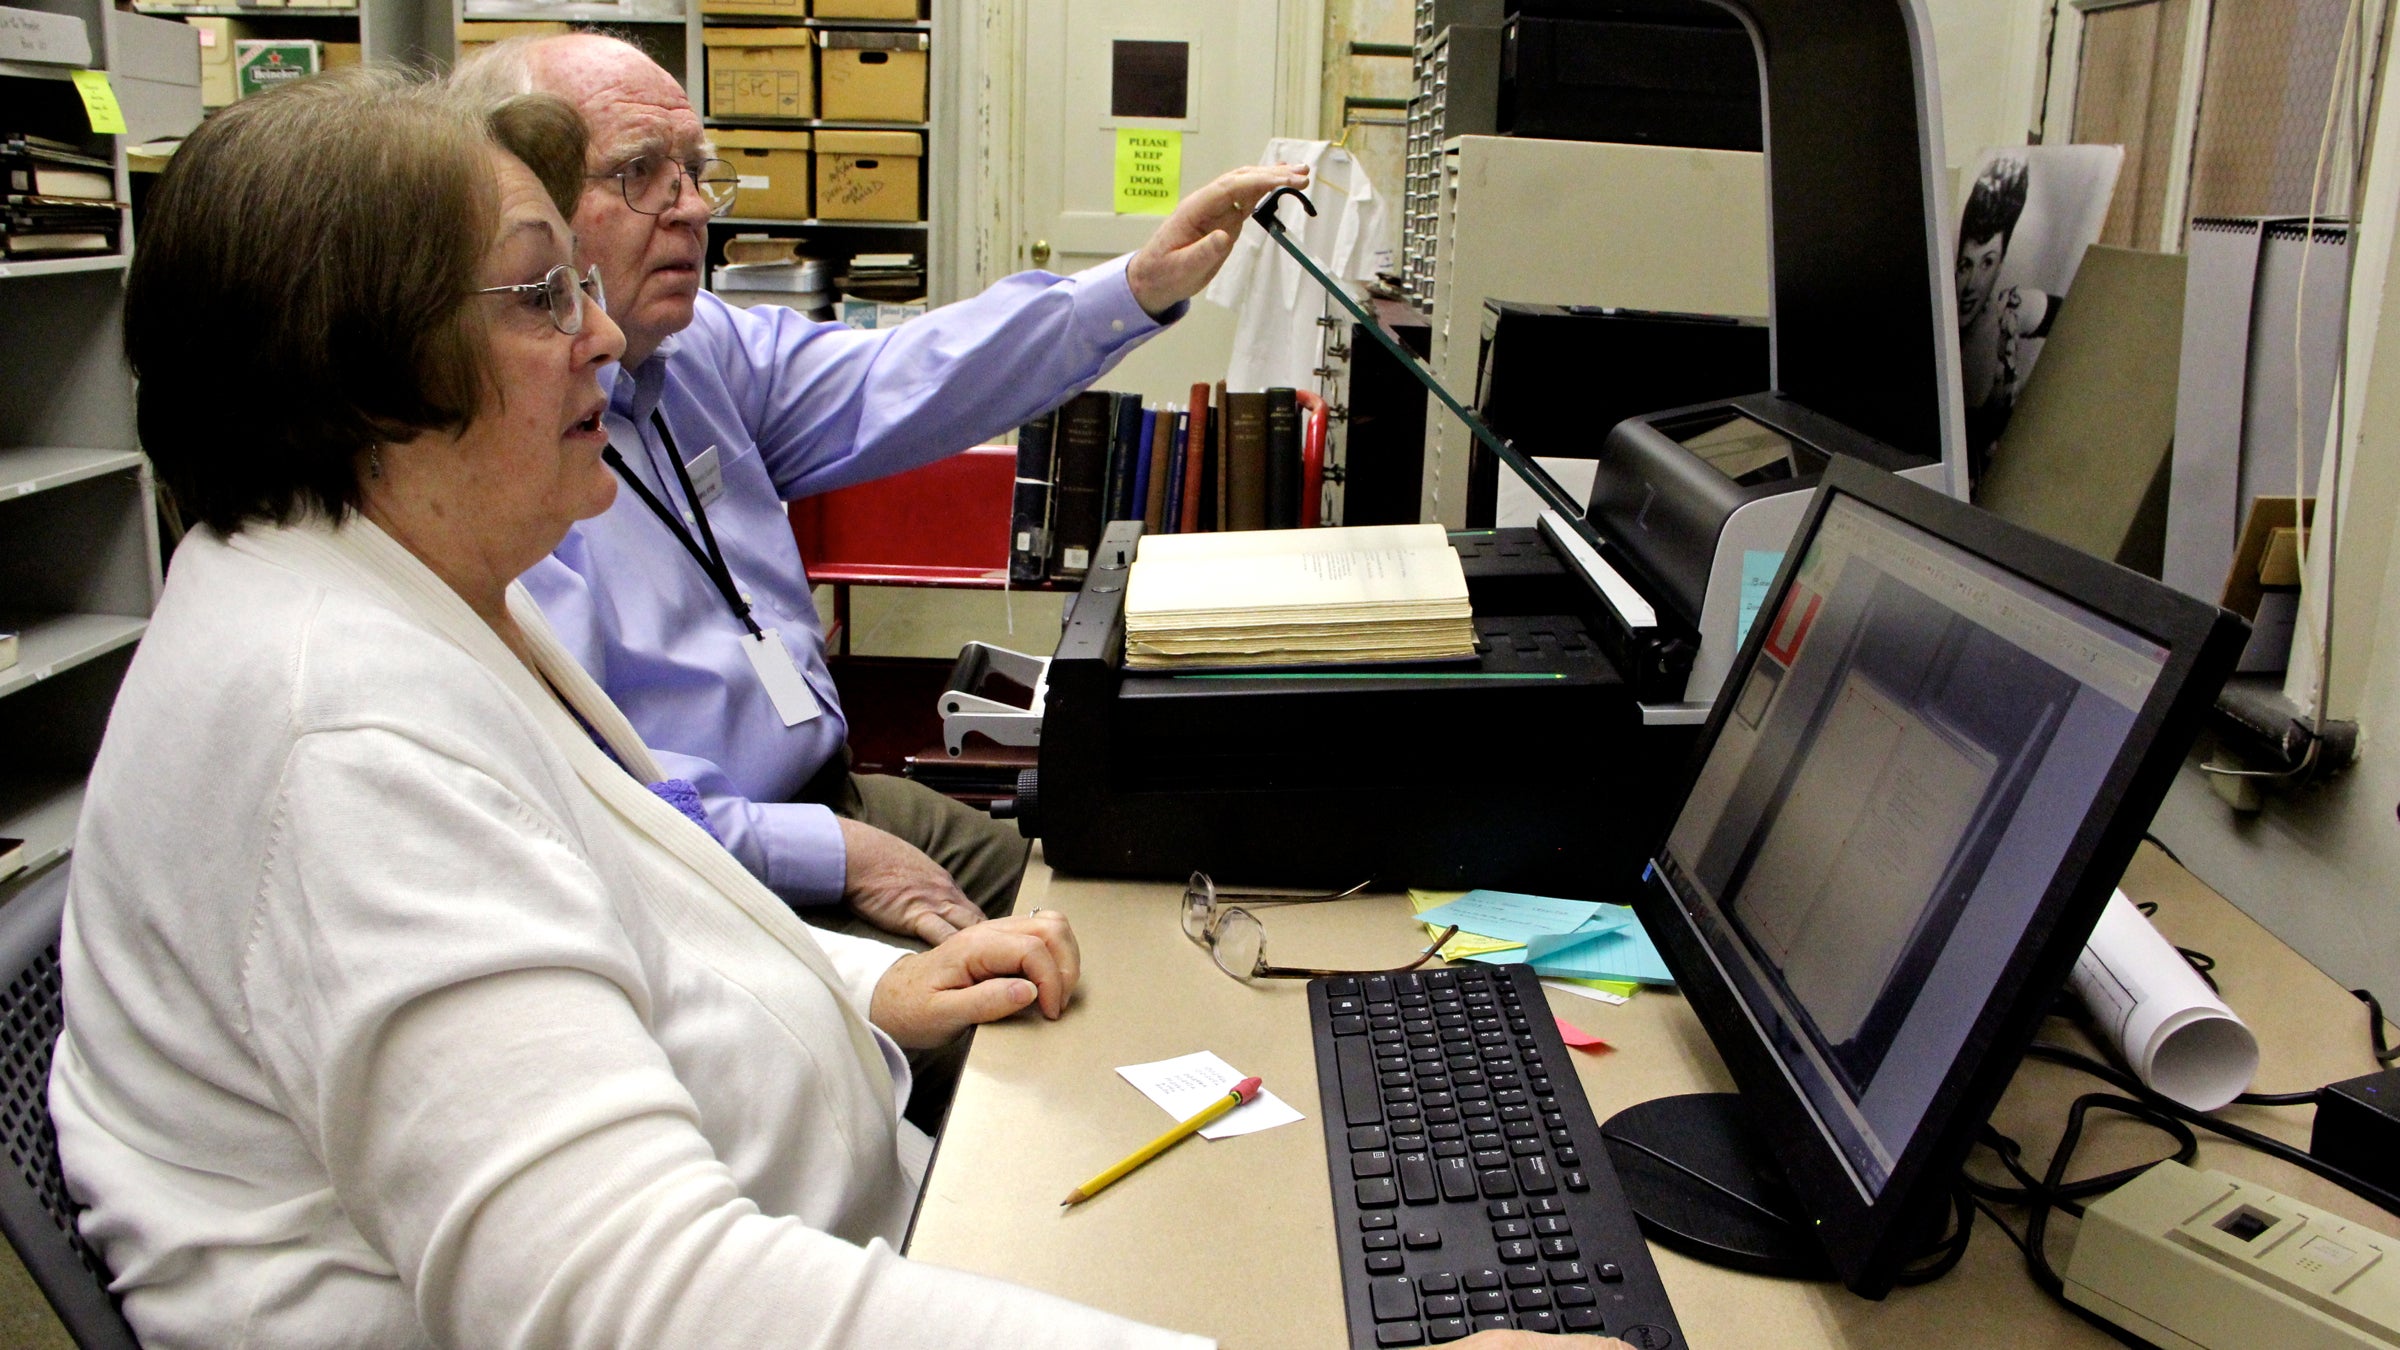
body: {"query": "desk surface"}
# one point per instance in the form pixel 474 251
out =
pixel 1234 1238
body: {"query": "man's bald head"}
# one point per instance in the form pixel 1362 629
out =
pixel 635 114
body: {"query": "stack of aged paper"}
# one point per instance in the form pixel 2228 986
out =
pixel 1375 593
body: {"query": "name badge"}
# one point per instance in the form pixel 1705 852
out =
pixel 708 481
pixel 794 701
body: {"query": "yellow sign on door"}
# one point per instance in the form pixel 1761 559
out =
pixel 1149 171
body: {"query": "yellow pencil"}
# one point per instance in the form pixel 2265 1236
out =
pixel 1242 1092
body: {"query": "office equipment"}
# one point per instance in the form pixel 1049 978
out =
pixel 1578 223
pixel 1469 1188
pixel 1554 379
pixel 1667 74
pixel 1457 71
pixel 2154 1010
pixel 1588 674
pixel 1242 1092
pixel 2357 1127
pixel 2199 1260
pixel 1961 729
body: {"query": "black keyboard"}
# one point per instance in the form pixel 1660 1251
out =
pixel 1470 1188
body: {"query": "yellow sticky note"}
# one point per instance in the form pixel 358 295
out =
pixel 1149 171
pixel 1463 945
pixel 100 102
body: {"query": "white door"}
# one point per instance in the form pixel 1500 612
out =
pixel 1093 67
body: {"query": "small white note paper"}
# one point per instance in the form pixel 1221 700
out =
pixel 1183 1086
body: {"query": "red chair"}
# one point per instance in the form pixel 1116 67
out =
pixel 945 524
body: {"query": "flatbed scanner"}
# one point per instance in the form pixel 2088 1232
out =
pixel 1552 762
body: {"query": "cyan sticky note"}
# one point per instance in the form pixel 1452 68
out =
pixel 1514 917
pixel 1613 948
pixel 1759 566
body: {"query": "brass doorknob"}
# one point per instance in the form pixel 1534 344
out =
pixel 1041 253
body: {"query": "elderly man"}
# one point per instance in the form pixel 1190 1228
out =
pixel 687 600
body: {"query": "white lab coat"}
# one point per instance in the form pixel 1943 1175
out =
pixel 398 1014
pixel 1276 340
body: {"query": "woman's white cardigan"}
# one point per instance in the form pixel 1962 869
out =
pixel 398 1013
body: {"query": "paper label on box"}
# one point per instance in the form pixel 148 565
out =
pixel 754 182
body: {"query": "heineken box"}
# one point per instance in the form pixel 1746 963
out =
pixel 261 64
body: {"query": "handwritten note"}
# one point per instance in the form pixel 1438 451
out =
pixel 1518 918
pixel 1182 1086
pixel 100 102
pixel 1149 172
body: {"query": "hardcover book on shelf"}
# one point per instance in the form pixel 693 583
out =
pixel 1206 438
pixel 1085 426
pixel 1178 465
pixel 1124 451
pixel 1195 451
pixel 1276 598
pixel 1220 516
pixel 1029 511
pixel 1283 459
pixel 1155 472
pixel 36 166
pixel 1140 495
pixel 1246 460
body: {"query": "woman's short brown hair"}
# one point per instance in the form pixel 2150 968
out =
pixel 299 288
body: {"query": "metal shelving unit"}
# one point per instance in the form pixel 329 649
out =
pixel 79 544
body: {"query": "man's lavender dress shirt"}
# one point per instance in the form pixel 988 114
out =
pixel 792 408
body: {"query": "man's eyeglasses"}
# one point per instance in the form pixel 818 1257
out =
pixel 562 292
pixel 653 183
pixel 1238 942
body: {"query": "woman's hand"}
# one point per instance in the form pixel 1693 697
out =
pixel 980 974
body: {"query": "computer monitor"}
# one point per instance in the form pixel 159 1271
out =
pixel 1941 743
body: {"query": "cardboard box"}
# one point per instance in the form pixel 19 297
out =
pixel 342 55
pixel 868 175
pixel 474 37
pixel 217 36
pixel 865 9
pixel 261 64
pixel 773 166
pixel 782 9
pixel 760 72
pixel 872 76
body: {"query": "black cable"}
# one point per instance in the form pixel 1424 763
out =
pixel 1947 1252
pixel 2384 1053
pixel 2249 1138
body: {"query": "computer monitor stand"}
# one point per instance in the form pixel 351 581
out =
pixel 1701 1181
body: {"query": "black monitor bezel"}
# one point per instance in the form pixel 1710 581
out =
pixel 1868 1243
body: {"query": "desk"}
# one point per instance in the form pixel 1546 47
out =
pixel 1234 1239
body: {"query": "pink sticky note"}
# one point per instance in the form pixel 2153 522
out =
pixel 1577 1037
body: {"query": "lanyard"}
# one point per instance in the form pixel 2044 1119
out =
pixel 704 550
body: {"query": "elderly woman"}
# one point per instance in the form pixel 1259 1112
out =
pixel 404 1007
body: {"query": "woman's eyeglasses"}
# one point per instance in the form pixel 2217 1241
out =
pixel 1238 942
pixel 653 183
pixel 562 292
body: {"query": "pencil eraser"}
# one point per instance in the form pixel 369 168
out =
pixel 1247 1089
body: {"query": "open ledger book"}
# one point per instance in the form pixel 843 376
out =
pixel 1371 593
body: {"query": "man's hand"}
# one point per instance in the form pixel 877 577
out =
pixel 1188 248
pixel 899 890
pixel 984 973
